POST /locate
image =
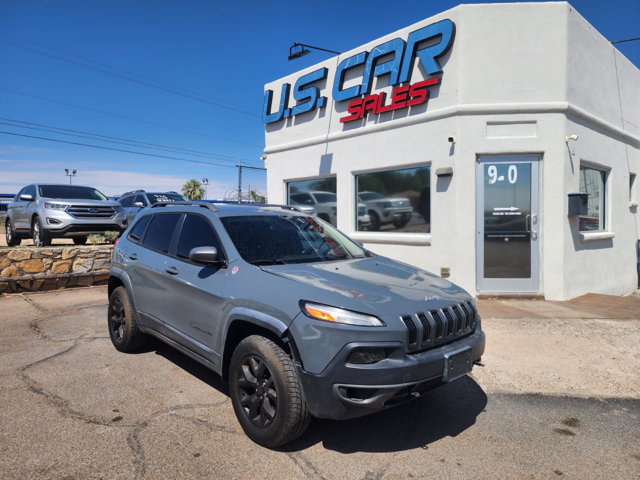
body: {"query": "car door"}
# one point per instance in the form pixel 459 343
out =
pixel 147 264
pixel 24 208
pixel 195 302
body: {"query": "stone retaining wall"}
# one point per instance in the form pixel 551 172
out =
pixel 33 269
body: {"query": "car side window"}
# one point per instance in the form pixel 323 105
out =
pixel 137 232
pixel 160 231
pixel 127 202
pixel 141 199
pixel 31 190
pixel 17 197
pixel 196 232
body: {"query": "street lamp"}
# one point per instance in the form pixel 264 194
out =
pixel 205 182
pixel 72 174
pixel 298 50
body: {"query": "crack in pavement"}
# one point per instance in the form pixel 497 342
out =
pixel 306 465
pixel 134 438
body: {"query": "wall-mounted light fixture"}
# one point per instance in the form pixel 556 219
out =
pixel 452 140
pixel 444 172
pixel 298 50
pixel 571 137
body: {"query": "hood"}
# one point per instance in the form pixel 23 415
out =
pixel 376 285
pixel 82 201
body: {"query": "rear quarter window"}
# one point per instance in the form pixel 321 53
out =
pixel 137 232
pixel 160 231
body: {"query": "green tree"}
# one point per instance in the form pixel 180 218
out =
pixel 193 190
pixel 255 196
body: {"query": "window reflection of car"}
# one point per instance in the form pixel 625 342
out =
pixel 322 204
pixel 133 202
pixel 383 210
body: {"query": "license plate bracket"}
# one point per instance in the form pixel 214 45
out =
pixel 457 364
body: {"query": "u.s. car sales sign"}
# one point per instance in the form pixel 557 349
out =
pixel 427 43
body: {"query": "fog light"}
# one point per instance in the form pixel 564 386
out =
pixel 365 356
pixel 53 221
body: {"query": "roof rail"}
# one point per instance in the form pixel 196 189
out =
pixel 132 191
pixel 258 204
pixel 210 206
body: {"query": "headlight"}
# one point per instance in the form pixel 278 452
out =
pixel 339 315
pixel 118 208
pixel 55 206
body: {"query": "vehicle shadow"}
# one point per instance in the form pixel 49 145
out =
pixel 186 363
pixel 444 412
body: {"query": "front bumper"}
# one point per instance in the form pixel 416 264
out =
pixel 60 224
pixel 345 390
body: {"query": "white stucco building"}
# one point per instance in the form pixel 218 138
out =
pixel 460 139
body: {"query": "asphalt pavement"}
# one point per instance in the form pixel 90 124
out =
pixel 75 408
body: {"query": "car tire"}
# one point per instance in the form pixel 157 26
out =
pixel 41 237
pixel 10 234
pixel 79 240
pixel 401 223
pixel 266 392
pixel 124 332
pixel 375 220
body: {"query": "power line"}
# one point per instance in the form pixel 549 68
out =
pixel 123 70
pixel 119 150
pixel 111 139
pixel 130 79
pixel 103 112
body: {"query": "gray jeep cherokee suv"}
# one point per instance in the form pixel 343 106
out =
pixel 296 317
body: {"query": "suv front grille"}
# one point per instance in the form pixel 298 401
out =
pixel 90 211
pixel 440 326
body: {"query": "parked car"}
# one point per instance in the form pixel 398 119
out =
pixel 323 204
pixel 384 210
pixel 297 318
pixel 47 211
pixel 133 202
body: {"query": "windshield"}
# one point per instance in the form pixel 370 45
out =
pixel 276 239
pixel 325 197
pixel 70 192
pixel 165 197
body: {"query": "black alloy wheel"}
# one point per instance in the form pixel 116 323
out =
pixel 257 389
pixel 266 392
pixel 123 330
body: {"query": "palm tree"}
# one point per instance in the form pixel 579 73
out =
pixel 193 190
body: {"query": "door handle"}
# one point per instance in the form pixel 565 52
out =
pixel 133 256
pixel 171 270
pixel 527 223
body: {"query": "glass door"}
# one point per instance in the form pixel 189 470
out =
pixel 507 222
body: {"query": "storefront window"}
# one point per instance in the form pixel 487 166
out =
pixel 316 197
pixel 593 182
pixel 395 200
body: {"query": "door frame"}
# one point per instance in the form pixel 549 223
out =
pixel 509 285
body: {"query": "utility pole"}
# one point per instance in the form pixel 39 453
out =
pixel 239 181
pixel 240 167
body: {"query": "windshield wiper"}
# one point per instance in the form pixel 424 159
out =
pixel 264 261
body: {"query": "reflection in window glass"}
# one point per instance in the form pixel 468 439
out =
pixel 314 197
pixel 592 182
pixel 395 200
pixel 160 231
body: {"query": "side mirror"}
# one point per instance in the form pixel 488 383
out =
pixel 26 197
pixel 138 204
pixel 205 255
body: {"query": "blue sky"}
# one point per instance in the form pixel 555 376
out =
pixel 181 79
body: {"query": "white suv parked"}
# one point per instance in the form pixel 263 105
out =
pixel 43 212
